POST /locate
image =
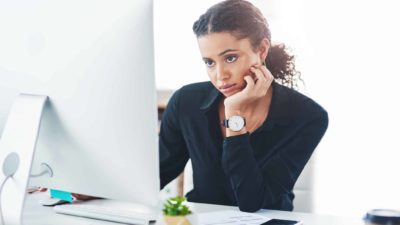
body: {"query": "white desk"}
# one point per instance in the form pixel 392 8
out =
pixel 35 214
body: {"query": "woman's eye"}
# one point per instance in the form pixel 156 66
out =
pixel 231 58
pixel 209 63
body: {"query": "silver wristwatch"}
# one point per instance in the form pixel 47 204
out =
pixel 235 123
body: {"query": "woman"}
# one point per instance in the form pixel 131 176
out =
pixel 247 136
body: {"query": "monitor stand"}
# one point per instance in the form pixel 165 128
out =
pixel 17 146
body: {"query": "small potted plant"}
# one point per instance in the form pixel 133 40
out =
pixel 175 211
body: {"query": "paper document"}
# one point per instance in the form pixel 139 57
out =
pixel 227 217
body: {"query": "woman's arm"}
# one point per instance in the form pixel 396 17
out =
pixel 172 148
pixel 259 186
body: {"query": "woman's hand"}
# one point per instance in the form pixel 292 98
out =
pixel 255 89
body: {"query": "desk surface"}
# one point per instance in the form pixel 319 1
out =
pixel 35 214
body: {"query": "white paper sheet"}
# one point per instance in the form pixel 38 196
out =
pixel 227 217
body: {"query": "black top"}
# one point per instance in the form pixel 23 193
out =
pixel 252 171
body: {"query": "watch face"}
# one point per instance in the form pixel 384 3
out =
pixel 236 123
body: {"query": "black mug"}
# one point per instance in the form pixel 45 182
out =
pixel 382 217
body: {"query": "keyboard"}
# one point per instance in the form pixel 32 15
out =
pixel 108 212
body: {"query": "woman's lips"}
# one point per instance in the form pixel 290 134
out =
pixel 227 88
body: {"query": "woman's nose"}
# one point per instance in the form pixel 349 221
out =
pixel 222 74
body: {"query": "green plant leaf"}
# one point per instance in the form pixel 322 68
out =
pixel 174 206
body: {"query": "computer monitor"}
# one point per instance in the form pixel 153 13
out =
pixel 93 59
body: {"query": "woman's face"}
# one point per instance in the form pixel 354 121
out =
pixel 228 60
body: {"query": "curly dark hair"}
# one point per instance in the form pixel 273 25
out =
pixel 243 20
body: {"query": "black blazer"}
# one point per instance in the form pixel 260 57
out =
pixel 252 171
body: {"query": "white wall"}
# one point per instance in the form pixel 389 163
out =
pixel 347 52
pixel 354 73
pixel 178 61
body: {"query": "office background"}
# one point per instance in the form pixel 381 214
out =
pixel 347 52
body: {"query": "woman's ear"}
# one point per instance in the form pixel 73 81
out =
pixel 263 49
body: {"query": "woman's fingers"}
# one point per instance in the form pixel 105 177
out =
pixel 259 74
pixel 268 75
pixel 249 81
pixel 262 85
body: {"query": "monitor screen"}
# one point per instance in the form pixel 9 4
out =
pixel 94 61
